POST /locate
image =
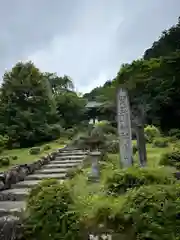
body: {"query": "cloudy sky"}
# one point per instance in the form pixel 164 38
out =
pixel 85 39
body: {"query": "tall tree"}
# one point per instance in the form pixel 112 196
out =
pixel 27 105
pixel 70 108
pixel 168 42
pixel 59 84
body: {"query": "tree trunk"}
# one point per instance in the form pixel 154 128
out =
pixel 141 144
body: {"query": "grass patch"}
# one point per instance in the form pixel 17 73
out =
pixel 23 155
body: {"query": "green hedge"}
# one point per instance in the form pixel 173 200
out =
pixel 152 212
pixel 34 150
pixel 123 179
pixel 171 158
pixel 160 142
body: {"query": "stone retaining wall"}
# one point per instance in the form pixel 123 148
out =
pixel 19 172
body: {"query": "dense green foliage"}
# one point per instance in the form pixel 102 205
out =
pixel 34 150
pixel 122 180
pixel 3 142
pixel 160 142
pixel 171 158
pixel 151 212
pixel 168 42
pixel 50 213
pixel 36 107
pixel 4 161
pixel 151 132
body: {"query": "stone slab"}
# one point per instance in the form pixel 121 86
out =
pixel 70 157
pixel 60 165
pixel 15 194
pixel 26 184
pixel 45 176
pixel 11 207
pixel 51 171
pixel 66 161
pixel 72 154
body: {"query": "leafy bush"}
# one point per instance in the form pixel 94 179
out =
pixel 171 158
pixel 4 161
pixel 151 132
pixel 152 212
pixel 50 213
pixel 47 147
pixel 160 142
pixel 34 150
pixel 70 132
pixel 123 179
pixel 149 212
pixel 14 157
pixel 71 173
pixel 175 133
pixel 105 127
pixel 113 147
pixel 3 142
pixel 53 131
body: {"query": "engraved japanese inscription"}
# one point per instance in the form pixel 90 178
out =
pixel 124 127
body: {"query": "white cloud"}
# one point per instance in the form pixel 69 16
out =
pixel 87 40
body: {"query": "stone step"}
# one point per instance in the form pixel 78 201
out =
pixel 70 157
pixel 45 176
pixel 60 161
pixel 11 208
pixel 72 153
pixel 51 171
pixel 28 184
pixel 60 165
pixel 16 194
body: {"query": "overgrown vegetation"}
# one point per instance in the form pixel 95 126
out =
pixel 135 203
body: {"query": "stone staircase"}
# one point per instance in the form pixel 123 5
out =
pixel 13 200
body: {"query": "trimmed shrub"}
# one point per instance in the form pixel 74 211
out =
pixel 4 161
pixel 14 157
pixel 113 147
pixel 71 173
pixel 160 142
pixel 70 132
pixel 121 180
pixel 152 212
pixel 105 127
pixel 50 213
pixel 174 133
pixel 171 158
pixel 151 132
pixel 47 147
pixel 53 131
pixel 34 150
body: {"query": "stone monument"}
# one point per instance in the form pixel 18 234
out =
pixel 124 127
